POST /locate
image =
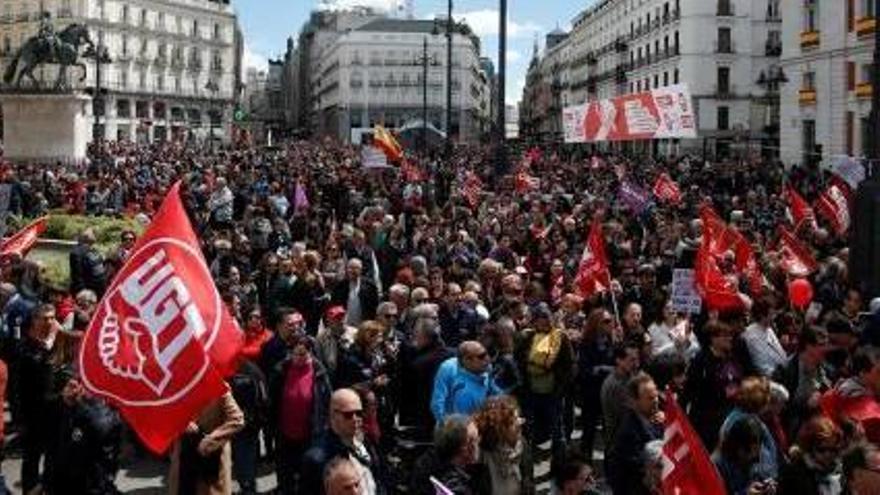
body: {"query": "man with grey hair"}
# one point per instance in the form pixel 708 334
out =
pixel 87 269
pixel 357 294
pixel 453 460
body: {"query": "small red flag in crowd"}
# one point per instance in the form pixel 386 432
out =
pixel 411 172
pixel 472 189
pixel 687 468
pixel 795 257
pixel 23 240
pixel 798 209
pixel 161 340
pixel 666 189
pixel 525 182
pixel 593 275
pixel 833 204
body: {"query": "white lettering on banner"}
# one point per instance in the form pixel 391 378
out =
pixel 685 298
pixel 639 119
pixel 662 113
pixel 159 297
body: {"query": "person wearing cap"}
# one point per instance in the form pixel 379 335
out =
pixel 546 362
pixel 334 338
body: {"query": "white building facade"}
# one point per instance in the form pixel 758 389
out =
pixel 173 70
pixel 828 46
pixel 727 51
pixel 374 74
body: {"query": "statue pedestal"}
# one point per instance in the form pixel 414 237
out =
pixel 45 127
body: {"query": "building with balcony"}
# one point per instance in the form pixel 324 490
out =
pixel 827 55
pixel 727 51
pixel 173 70
pixel 374 73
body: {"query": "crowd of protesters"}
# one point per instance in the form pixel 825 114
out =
pixel 403 334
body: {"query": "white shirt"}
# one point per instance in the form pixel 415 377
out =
pixel 353 305
pixel 764 348
pixel 665 339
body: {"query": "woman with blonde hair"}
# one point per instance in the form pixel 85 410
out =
pixel 753 400
pixel 815 466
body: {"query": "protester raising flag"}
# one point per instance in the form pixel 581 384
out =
pixel 161 340
pixel 23 240
pixel 593 275
pixel 387 143
pixel 719 291
pixel 796 259
pixel 799 210
pixel 687 468
pixel 666 189
pixel 833 204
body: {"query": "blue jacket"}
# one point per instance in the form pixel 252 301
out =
pixel 458 391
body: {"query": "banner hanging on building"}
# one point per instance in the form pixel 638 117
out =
pixel 663 113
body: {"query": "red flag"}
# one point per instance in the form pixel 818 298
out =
pixel 833 204
pixel 525 182
pixel 796 258
pixel 593 275
pixel 23 240
pixel 472 188
pixel 798 209
pixel 411 172
pixel 161 340
pixel 666 189
pixel 687 468
pixel 718 290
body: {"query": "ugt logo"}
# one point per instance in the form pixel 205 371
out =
pixel 154 326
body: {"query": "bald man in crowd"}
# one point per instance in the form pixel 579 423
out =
pixel 345 440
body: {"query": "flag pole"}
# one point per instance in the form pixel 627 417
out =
pixel 614 300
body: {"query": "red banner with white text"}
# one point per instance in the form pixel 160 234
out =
pixel 662 113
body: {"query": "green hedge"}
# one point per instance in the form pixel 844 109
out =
pixel 66 227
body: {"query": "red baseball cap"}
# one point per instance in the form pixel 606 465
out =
pixel 335 312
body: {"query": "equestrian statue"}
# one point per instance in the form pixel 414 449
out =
pixel 47 47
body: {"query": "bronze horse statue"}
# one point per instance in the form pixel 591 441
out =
pixel 36 51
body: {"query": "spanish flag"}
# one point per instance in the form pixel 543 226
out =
pixel 383 140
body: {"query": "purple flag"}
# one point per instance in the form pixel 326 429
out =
pixel 300 200
pixel 634 197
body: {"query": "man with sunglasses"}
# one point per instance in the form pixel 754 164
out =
pixel 463 383
pixel 346 440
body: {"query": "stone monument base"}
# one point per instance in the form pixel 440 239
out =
pixel 45 127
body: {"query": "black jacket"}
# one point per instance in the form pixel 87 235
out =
pixel 87 453
pixel 625 462
pixel 563 367
pixel 328 447
pixel 417 370
pixel 321 390
pixel 367 294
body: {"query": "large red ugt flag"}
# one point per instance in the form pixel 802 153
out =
pixel 687 469
pixel 161 340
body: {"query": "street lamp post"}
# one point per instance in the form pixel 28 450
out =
pixel 101 55
pixel 213 88
pixel 449 29
pixel 501 164
pixel 424 60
